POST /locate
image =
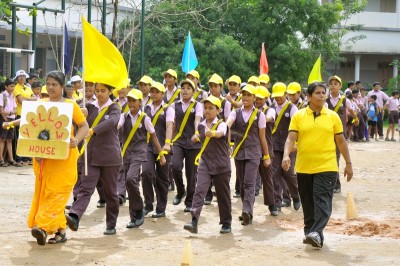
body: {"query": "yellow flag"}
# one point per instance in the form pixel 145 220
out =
pixel 102 62
pixel 315 74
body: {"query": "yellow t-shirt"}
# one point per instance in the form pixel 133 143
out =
pixel 77 95
pixel 316 148
pixel 25 92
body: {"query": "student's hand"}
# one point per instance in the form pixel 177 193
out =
pixel 5 125
pixel 90 132
pixel 286 163
pixel 348 172
pixel 267 162
pixel 166 147
pixel 84 111
pixel 228 97
pixel 163 161
pixel 195 138
pixel 210 133
pixel 73 142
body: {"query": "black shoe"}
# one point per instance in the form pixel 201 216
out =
pixel 207 202
pixel 286 204
pixel 110 231
pixel 40 236
pixel 257 192
pixel 158 215
pixel 131 224
pixel 178 199
pixel 247 218
pixel 171 186
pixel 148 208
pixel 101 204
pixel 278 208
pixel 121 200
pixel 225 229
pixel 139 221
pixel 296 204
pixel 187 209
pixel 240 218
pixel 72 222
pixel 273 210
pixel 313 239
pixel 337 190
pixel 237 194
pixel 191 227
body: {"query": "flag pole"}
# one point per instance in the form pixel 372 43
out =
pixel 84 96
pixel 188 65
pixel 63 48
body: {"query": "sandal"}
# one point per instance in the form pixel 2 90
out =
pixel 14 163
pixel 58 238
pixel 40 236
pixel 3 164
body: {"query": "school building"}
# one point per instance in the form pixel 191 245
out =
pixel 371 59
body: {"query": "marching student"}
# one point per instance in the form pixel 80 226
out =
pixel 188 114
pixel 265 82
pixel 76 82
pixel 153 173
pixel 144 85
pixel 216 85
pixel 284 113
pixel 248 126
pixel 104 159
pixel 194 76
pixel 214 165
pixel 36 89
pixel 135 125
pixel 253 80
pixel 392 105
pixel 234 96
pixel 262 94
pixel 340 104
pixel 294 94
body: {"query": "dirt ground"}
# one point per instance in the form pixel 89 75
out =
pixel 373 239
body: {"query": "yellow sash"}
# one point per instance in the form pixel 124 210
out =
pixel 155 119
pixel 253 115
pixel 265 108
pixel 96 121
pixel 280 117
pixel 339 104
pixel 149 101
pixel 185 119
pixel 126 109
pixel 196 161
pixel 174 96
pixel 300 105
pixel 132 133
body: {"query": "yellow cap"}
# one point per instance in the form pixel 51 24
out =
pixel 214 100
pixel 254 79
pixel 235 79
pixel 249 88
pixel 293 88
pixel 194 73
pixel 262 92
pixel 278 90
pixel 335 77
pixel 44 90
pixel 264 78
pixel 158 86
pixel 188 81
pixel 135 94
pixel 215 78
pixel 171 72
pixel 145 79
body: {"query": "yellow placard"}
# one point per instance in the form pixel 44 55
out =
pixel 45 130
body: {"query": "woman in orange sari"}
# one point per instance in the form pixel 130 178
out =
pixel 55 179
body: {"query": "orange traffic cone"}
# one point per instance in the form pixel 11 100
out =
pixel 351 211
pixel 187 259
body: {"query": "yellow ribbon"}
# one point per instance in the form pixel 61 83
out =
pixel 96 121
pixel 196 161
pixel 185 119
pixel 161 154
pixel 253 115
pixel 280 117
pixel 132 133
pixel 339 104
pixel 174 96
pixel 155 119
pixel 10 125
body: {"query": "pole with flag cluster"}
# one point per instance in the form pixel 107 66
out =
pixel 189 58
pixel 66 52
pixel 315 74
pixel 263 61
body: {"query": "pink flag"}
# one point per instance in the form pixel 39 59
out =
pixel 263 61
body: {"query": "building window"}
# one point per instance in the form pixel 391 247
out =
pixel 388 6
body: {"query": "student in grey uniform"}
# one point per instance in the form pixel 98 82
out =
pixel 104 159
pixel 144 85
pixel 194 76
pixel 214 165
pixel 188 114
pixel 284 111
pixel 262 95
pixel 135 125
pixel 153 173
pixel 248 124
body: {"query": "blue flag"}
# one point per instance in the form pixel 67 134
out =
pixel 67 52
pixel 189 58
